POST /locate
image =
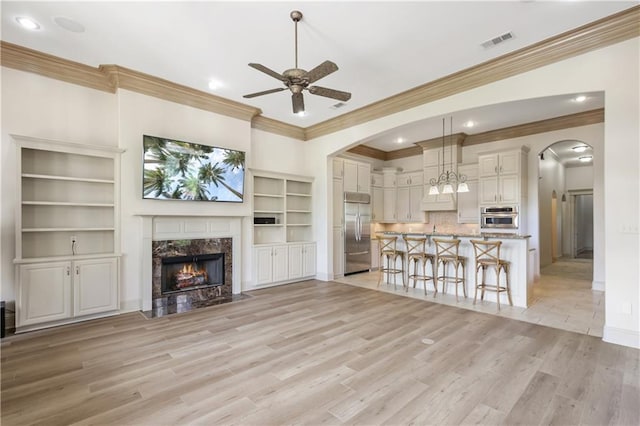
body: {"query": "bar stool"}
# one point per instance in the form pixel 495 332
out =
pixel 416 252
pixel 447 254
pixel 390 253
pixel 487 255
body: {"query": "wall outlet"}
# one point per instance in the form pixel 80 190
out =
pixel 626 308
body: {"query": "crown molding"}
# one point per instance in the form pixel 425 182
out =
pixel 368 151
pixel 108 78
pixel 604 32
pixel 270 125
pixel 558 123
pixel 29 60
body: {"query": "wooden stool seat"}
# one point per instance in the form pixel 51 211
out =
pixel 416 253
pixel 487 255
pixel 447 253
pixel 390 253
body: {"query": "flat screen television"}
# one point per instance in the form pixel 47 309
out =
pixel 177 170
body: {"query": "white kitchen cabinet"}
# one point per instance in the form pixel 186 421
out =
pixel 389 208
pixel 53 293
pixel 302 261
pixel 377 179
pixel 375 254
pixel 409 200
pixel 357 177
pixel 338 168
pixel 502 177
pixel 272 264
pixel 338 252
pixel 410 179
pixel 377 204
pixel 468 205
pixel 338 203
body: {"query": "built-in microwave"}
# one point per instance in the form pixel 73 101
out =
pixel 499 217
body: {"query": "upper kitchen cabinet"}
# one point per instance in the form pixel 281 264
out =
pixel 409 197
pixel 377 197
pixel 468 208
pixel 503 177
pixel 357 177
pixel 338 168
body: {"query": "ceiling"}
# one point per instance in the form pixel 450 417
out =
pixel 381 48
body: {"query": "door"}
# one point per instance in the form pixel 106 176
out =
pixel 309 260
pixel 350 176
pixel 280 263
pixel 389 208
pixel 95 286
pixel 415 203
pixel 364 178
pixel 45 293
pixel 403 207
pixel 468 209
pixel 488 190
pixel 295 261
pixel 509 192
pixel 350 227
pixel 264 265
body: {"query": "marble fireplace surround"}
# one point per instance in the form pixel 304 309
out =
pixel 162 228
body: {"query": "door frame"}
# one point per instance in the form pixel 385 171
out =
pixel 572 216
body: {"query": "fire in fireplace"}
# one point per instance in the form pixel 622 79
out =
pixel 180 273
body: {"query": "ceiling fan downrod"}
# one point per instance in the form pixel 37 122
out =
pixel 296 15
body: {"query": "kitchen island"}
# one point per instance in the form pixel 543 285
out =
pixel 514 248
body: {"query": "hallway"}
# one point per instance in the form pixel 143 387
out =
pixel 562 298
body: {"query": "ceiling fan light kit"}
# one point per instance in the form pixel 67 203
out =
pixel 297 79
pixel 448 179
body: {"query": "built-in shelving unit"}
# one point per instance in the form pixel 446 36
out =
pixel 67 232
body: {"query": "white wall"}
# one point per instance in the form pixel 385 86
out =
pixel 50 109
pixel 579 177
pixel 619 155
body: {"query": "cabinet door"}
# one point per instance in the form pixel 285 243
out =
pixel 389 209
pixel 377 201
pixel 295 261
pixel 403 179
pixel 509 162
pixel 338 252
pixel 44 293
pixel 309 260
pixel 403 204
pixel 468 208
pixel 488 165
pixel 338 203
pixel 95 286
pixel 364 178
pixel 280 263
pixel 350 176
pixel 509 189
pixel 488 190
pixel 264 265
pixel 376 179
pixel 416 214
pixel 338 168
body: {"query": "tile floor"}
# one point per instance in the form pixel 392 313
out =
pixel 563 298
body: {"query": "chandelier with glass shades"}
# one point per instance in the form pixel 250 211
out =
pixel 448 181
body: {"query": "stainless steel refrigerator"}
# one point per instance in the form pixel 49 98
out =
pixel 357 233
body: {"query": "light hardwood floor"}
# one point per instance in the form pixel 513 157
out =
pixel 317 353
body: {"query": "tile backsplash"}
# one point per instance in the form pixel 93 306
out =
pixel 446 222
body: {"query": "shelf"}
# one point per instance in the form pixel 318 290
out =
pixel 298 224
pixel 298 211
pixel 66 178
pixel 294 194
pixel 65 204
pixel 269 211
pixel 268 195
pixel 26 260
pixel 267 225
pixel 66 229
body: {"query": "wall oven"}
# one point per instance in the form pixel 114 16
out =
pixel 499 217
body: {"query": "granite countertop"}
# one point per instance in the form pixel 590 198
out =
pixel 487 235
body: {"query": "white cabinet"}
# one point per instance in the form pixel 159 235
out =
pixel 302 261
pixel 271 264
pixel 357 177
pixel 52 293
pixel 389 194
pixel 338 168
pixel 68 202
pixel 377 197
pixel 503 177
pixel 338 203
pixel 375 254
pixel 409 197
pixel 468 207
pixel 338 252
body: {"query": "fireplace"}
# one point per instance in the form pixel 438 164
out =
pixel 181 273
pixel 190 274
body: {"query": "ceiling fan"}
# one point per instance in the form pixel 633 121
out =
pixel 296 79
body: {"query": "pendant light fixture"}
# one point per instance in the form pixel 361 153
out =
pixel 448 181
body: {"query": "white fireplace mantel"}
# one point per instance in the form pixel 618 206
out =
pixel 161 228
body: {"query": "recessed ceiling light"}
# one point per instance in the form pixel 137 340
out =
pixel 301 113
pixel 586 158
pixel 469 124
pixel 399 140
pixel 69 24
pixel 580 148
pixel 28 23
pixel 214 84
pixel 580 98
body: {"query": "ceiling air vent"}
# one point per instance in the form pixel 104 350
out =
pixel 338 105
pixel 497 40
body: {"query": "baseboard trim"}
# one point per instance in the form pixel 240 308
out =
pixel 597 285
pixel 620 336
pixel 323 276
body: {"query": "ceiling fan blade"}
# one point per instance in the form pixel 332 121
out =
pixel 265 92
pixel 330 93
pixel 322 70
pixel 268 71
pixel 298 103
